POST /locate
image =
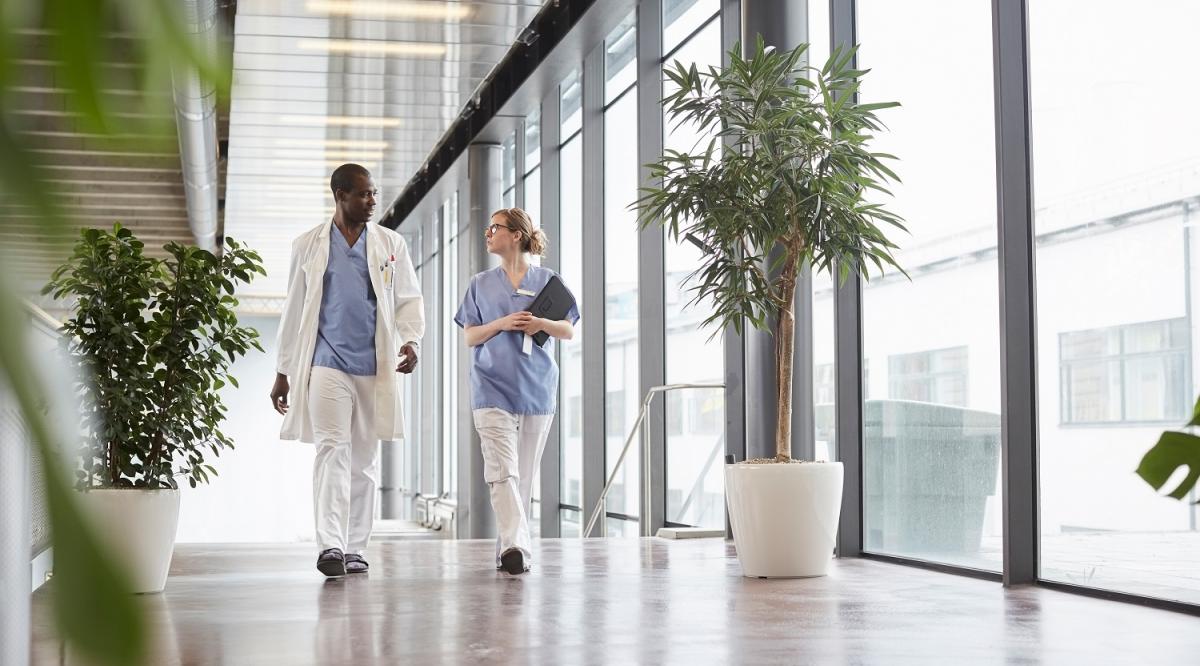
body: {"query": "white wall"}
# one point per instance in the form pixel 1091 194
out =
pixel 264 489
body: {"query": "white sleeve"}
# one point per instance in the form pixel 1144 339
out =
pixel 293 309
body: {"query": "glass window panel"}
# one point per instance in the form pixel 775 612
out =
pixel 682 17
pixel 571 105
pixel 571 353
pixel 621 301
pixel 695 417
pixel 533 140
pixel 931 445
pixel 620 59
pixel 451 341
pixel 508 151
pixel 1108 266
pixel 533 196
pixel 618 527
pixel 571 523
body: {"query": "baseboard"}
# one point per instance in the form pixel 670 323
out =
pixel 689 533
pixel 41 568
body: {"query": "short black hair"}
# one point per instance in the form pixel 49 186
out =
pixel 343 177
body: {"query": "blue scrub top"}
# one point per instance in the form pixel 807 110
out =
pixel 502 376
pixel 346 327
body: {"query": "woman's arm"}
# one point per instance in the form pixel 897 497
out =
pixel 477 335
pixel 563 330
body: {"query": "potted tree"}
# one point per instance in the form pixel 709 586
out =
pixel 153 340
pixel 783 183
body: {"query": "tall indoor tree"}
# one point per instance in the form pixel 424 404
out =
pixel 787 180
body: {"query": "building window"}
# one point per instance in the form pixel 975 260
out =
pixel 1125 374
pixel 938 376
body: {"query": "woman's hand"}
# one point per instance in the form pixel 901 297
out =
pixel 532 325
pixel 516 321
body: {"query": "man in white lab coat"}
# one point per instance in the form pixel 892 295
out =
pixel 352 320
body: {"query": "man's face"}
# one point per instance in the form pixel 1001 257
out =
pixel 358 205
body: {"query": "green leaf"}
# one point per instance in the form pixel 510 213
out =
pixel 1173 450
pixel 1195 414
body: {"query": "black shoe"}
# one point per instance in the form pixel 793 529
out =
pixel 513 562
pixel 331 562
pixel 355 564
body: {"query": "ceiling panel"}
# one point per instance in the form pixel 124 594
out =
pixel 317 83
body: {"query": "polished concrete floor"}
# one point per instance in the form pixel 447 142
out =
pixel 619 601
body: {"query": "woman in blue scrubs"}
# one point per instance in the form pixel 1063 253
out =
pixel 514 381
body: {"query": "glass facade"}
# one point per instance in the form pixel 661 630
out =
pixel 570 405
pixel 1115 201
pixel 1114 226
pixel 695 418
pixel 621 377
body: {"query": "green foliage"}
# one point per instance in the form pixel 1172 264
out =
pixel 1174 450
pixel 154 339
pixel 87 578
pixel 785 181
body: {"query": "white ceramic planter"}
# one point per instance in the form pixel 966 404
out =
pixel 139 528
pixel 784 517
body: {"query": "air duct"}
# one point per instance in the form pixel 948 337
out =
pixel 196 121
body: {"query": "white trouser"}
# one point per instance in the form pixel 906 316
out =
pixel 512 450
pixel 346 468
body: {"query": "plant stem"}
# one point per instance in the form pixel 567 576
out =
pixel 160 443
pixel 785 342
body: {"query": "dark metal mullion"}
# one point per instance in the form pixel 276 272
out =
pixel 551 206
pixel 941 567
pixel 620 95
pixel 652 296
pixel 848 355
pixel 1018 329
pixel 1123 597
pixel 594 390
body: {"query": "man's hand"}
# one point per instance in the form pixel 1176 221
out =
pixel 279 393
pixel 408 360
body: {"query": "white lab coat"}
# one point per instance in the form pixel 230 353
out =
pixel 400 319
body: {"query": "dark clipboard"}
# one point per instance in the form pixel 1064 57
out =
pixel 553 302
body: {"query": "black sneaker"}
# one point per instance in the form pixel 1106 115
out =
pixel 513 562
pixel 356 564
pixel 331 562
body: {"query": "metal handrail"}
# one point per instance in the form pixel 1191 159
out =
pixel 637 425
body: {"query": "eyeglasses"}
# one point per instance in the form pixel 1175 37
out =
pixel 491 228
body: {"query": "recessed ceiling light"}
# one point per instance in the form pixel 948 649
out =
pixel 309 162
pixel 318 153
pixel 333 143
pixel 372 46
pixel 343 121
pixel 417 10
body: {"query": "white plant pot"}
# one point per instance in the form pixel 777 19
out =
pixel 784 517
pixel 138 526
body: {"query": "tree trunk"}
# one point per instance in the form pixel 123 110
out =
pixel 785 342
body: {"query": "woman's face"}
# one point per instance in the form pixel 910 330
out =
pixel 501 239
